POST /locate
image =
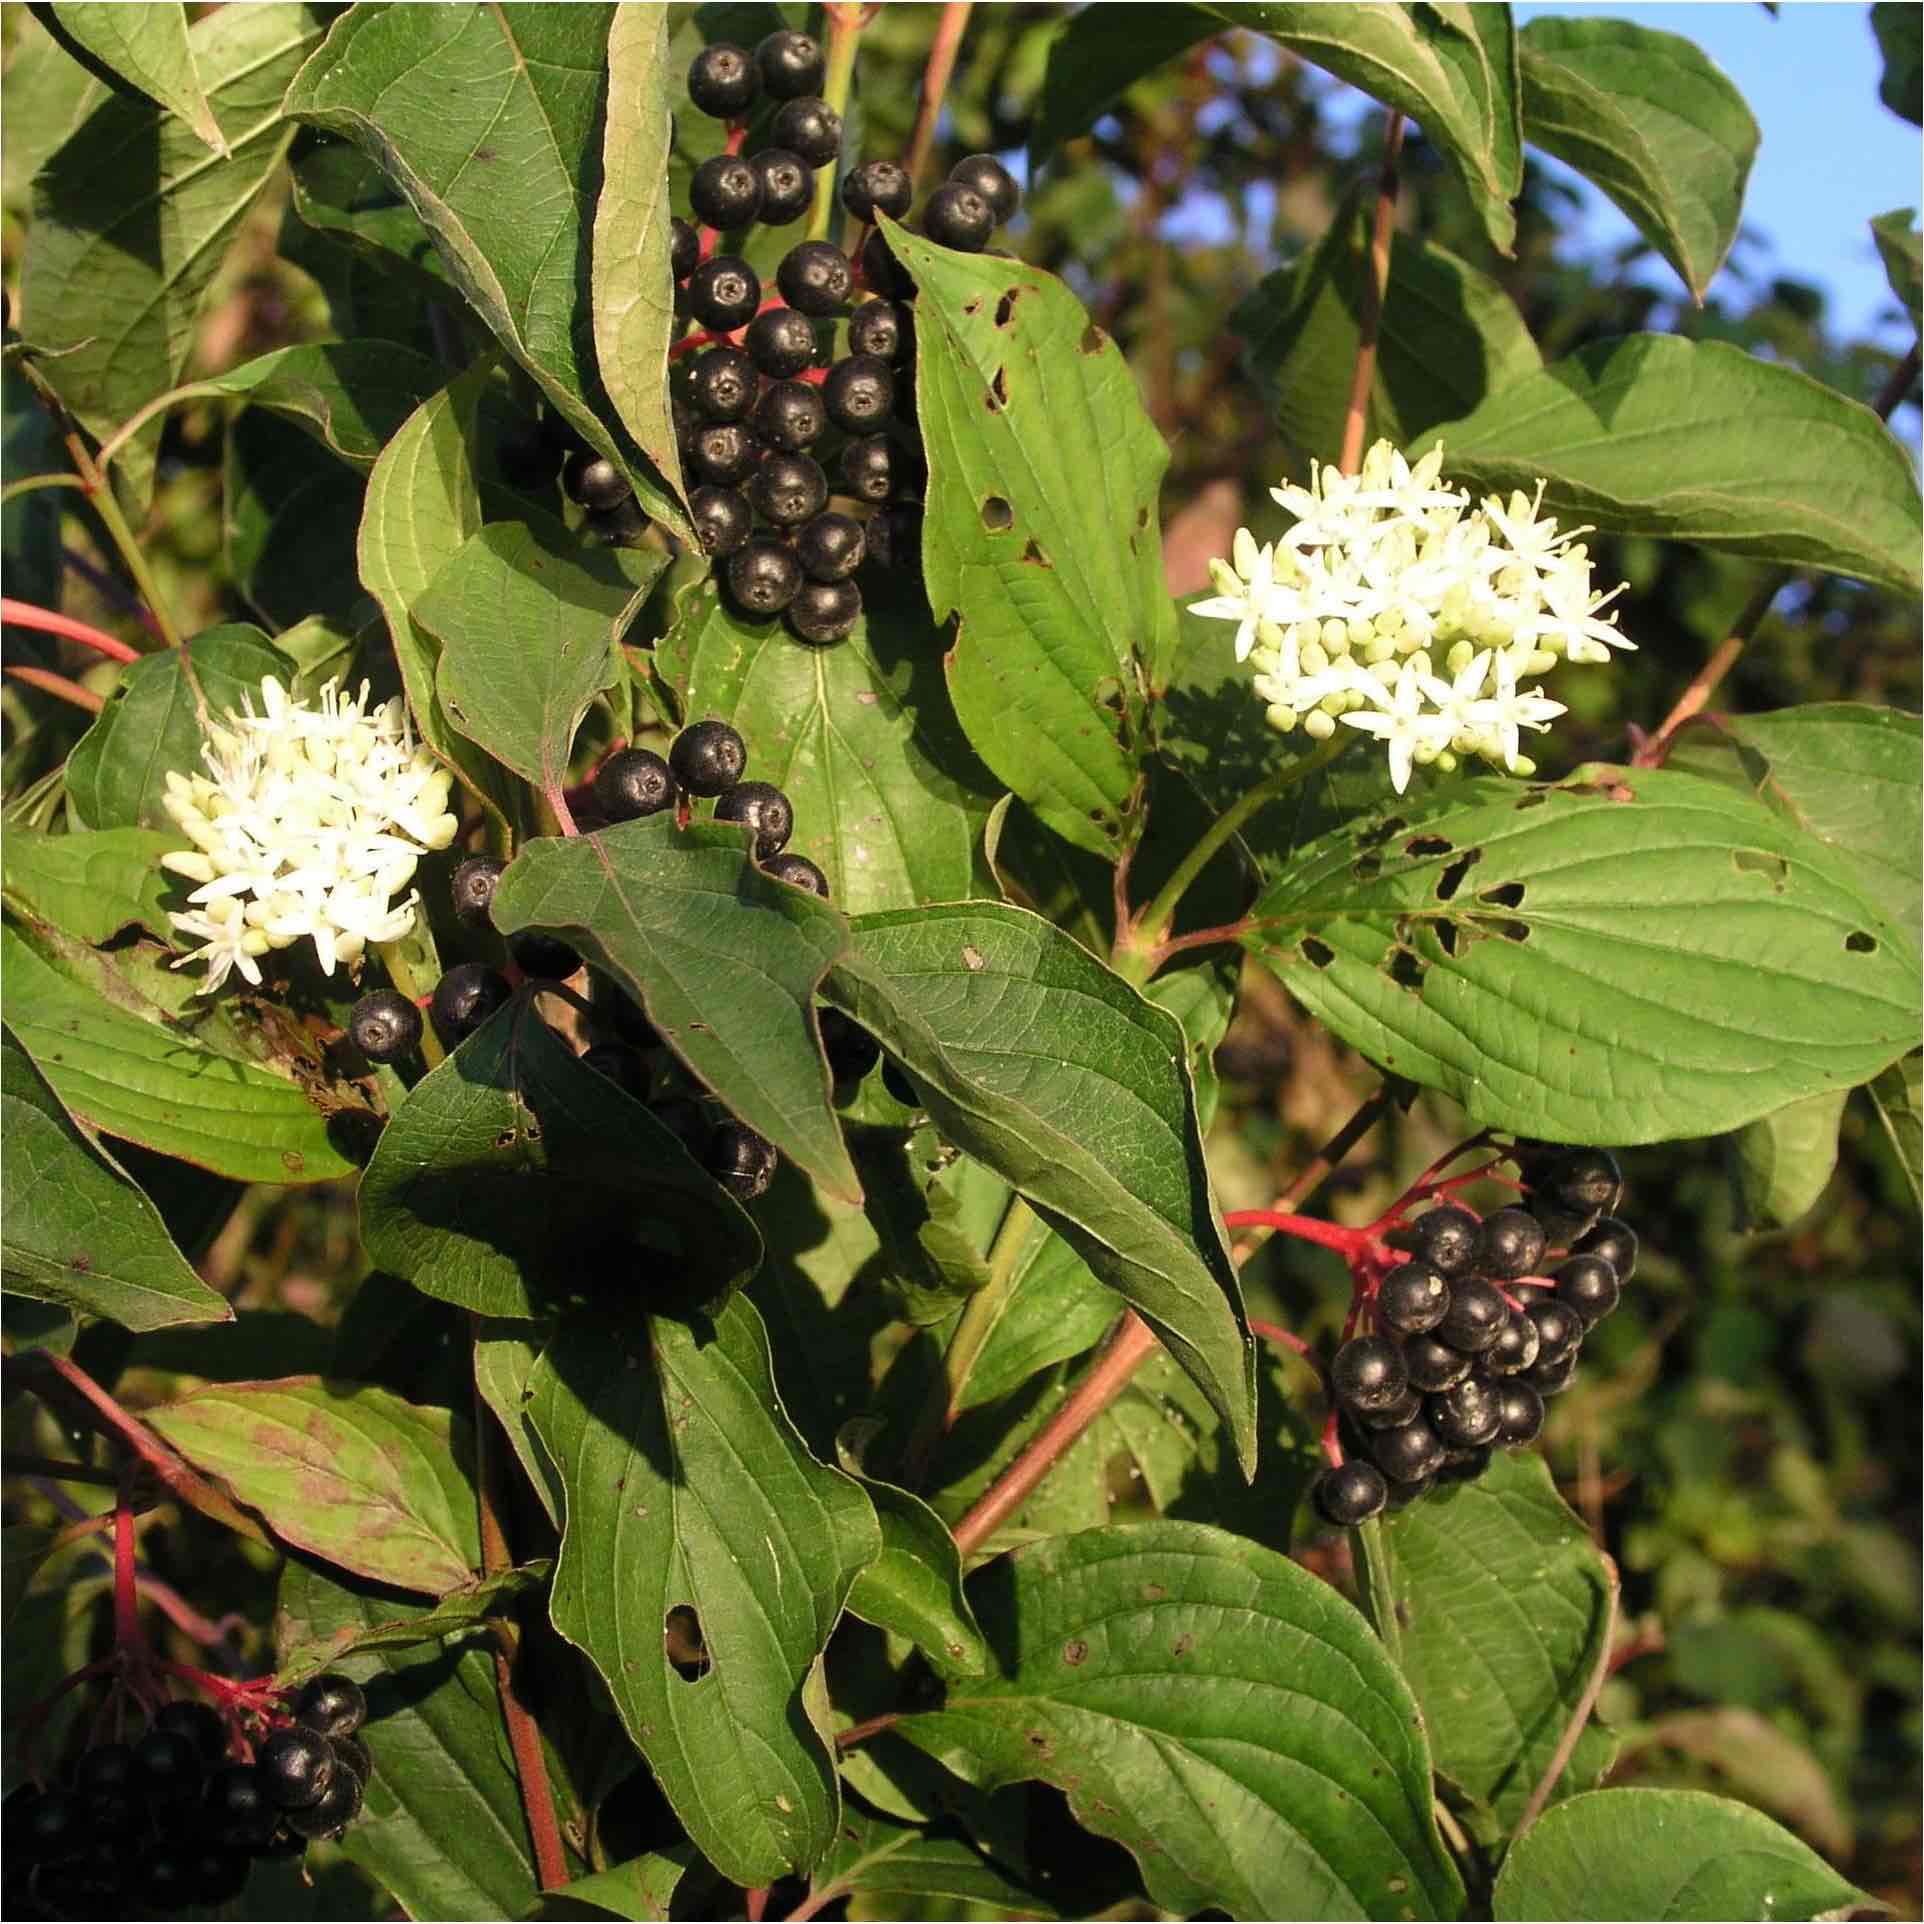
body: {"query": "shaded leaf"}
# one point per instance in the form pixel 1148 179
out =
pixel 1899 248
pixel 1900 39
pixel 641 1889
pixel 148 48
pixel 289 512
pixel 1895 1094
pixel 914 1588
pixel 462 1612
pixel 338 191
pixel 895 1864
pixel 349 1473
pixel 1784 1160
pixel 90 886
pixel 1090 64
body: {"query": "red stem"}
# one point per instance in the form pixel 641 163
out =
pixel 126 1587
pixel 57 685
pixel 1276 1333
pixel 24 614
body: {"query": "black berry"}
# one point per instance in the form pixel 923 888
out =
pixel 296 1768
pixel 384 1025
pixel 1402 1495
pixel 725 452
pixel 1466 1414
pixel 781 342
pixel 544 957
pixel 1513 1243
pixel 958 217
pixel 1446 1239
pixel 791 415
pixel 763 575
pixel 1519 1413
pixel 878 187
pixel 686 1121
pixel 830 547
pixel 1516 1347
pixel 168 1767
pixel 814 277
pixel 789 489
pixel 54 1824
pixel 722 383
pixel 219 1875
pixel 825 611
pixel 722 517
pixel 1433 1364
pixel 464 999
pixel 708 758
pixel 202 1723
pixel 1552 1378
pixel 809 126
pixel 791 64
pixel 1476 1315
pixel 350 1753
pixel 726 191
pixel 868 468
pixel 1559 1329
pixel 1615 1242
pixel 332 1812
pixel 620 1065
pixel 742 1161
pixel 859 393
pixel 1465 1466
pixel 851 1051
pixel 1589 1285
pixel 1349 1494
pixel 879 328
pixel 788 185
pixel 632 783
pixel 621 526
pixel 985 175
pixel 684 248
pixel 1405 1409
pixel 593 481
pixel 1411 1299
pixel 1368 1373
pixel 105 1769
pixel 894 537
pixel 798 872
pixel 239 1813
pixel 1584 1181
pixel 762 808
pixel 722 80
pixel 881 271
pixel 724 292
pixel 1408 1453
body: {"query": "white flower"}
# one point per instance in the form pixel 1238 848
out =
pixel 310 819
pixel 1405 727
pixel 1496 718
pixel 1246 591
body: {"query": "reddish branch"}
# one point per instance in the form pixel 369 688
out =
pixel 23 614
pixel 1364 377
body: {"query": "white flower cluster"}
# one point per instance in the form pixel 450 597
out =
pixel 309 820
pixel 1394 607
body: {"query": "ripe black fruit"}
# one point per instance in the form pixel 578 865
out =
pixel 722 79
pixel 296 1767
pixel 106 1769
pixel 894 537
pixel 54 1824
pixel 1516 1347
pixel 851 1051
pixel 878 187
pixel 350 1753
pixel 789 489
pixel 620 1065
pixel 1351 1493
pixel 1552 1379
pixel 859 393
pixel 684 248
pixel 384 1025
pixel 1616 1242
pixel 1446 1239
pixel 464 999
pixel 781 342
pixel 791 64
pixel 1519 1412
pixel 724 292
pixel 1583 1181
pixel 809 126
pixel 958 217
pixel 168 1767
pixel 791 415
pixel 1465 1466
pixel 1411 1299
pixel 825 611
pixel 708 758
pixel 1368 1373
pixel 1476 1315
pixel 1513 1244
pixel 633 783
pixel 726 191
pixel 239 1813
pixel 1408 1453
pixel 742 1161
pixel 788 185
pixel 830 547
pixel 1433 1364
pixel 1405 1409
pixel 763 575
pixel 544 957
pixel 1559 1329
pixel 724 452
pixel 722 517
pixel 868 468
pixel 881 271
pixel 686 1121
pixel 593 481
pixel 815 277
pixel 219 1876
pixel 1466 1414
pixel 987 176
pixel 333 1811
pixel 879 328
pixel 201 1723
pixel 722 383
pixel 1589 1285
pixel 763 809
pixel 798 872
pixel 619 527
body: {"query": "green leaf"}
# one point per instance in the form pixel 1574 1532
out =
pixel 89 886
pixel 423 502
pixel 724 960
pixel 133 217
pixel 1901 41
pixel 1213 1707
pixel 1666 1855
pixel 30 544
pixel 443 1829
pixel 1452 69
pixel 463 1612
pixel 889 798
pixel 79 1231
pixel 1042 534
pixel 478 115
pixel 1784 1160
pixel 132 1070
pixel 634 291
pixel 1037 1060
pixel 1057 1308
pixel 353 1475
pixel 289 512
pixel 641 1889
pixel 1899 248
pixel 701 1532
pixel 1090 64
pixel 49 94
pixel 528 618
pixel 148 48
pixel 1896 1097
pixel 911 1190
pixel 1701 441
pixel 894 1865
pixel 1495 1606
pixel 1450 338
pixel 513 1164
pixel 1567 962
pixel 1652 121
pixel 505 1353
pixel 117 775
pixel 914 1588
pixel 337 191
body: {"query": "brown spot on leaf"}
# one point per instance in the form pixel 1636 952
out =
pixel 1504 895
pixel 1005 307
pixel 1451 879
pixel 1861 942
pixel 997 516
pixel 1034 556
pixel 1405 970
pixel 1094 340
pixel 681 1641
pixel 1075 1651
pixel 1319 955
pixel 1428 845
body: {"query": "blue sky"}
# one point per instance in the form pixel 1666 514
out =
pixel 1831 157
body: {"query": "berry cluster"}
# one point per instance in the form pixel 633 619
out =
pixel 172 1821
pixel 764 410
pixel 1483 1320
